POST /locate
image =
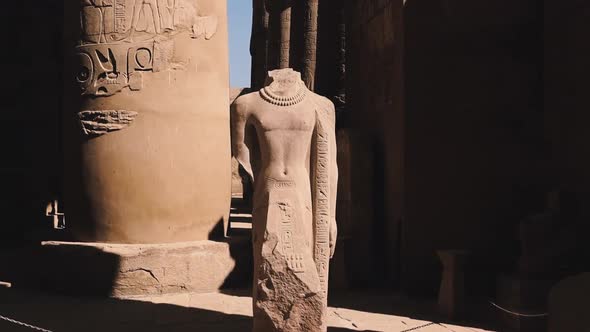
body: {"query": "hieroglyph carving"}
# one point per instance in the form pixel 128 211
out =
pixel 123 39
pixel 322 206
pixel 96 123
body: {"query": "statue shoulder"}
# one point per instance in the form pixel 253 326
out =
pixel 243 104
pixel 326 107
pixel 325 103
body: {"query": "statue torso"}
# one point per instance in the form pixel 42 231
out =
pixel 284 135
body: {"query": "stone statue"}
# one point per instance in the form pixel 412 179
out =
pixel 284 138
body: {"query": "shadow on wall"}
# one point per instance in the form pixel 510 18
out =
pixel 31 163
pixel 476 158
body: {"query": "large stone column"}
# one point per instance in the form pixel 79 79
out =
pixel 146 123
pixel 146 130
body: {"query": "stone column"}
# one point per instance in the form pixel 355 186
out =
pixel 259 43
pixel 279 33
pixel 331 52
pixel 146 133
pixel 296 45
pixel 146 123
pixel 285 37
pixel 310 33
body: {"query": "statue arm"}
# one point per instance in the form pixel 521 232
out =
pixel 239 123
pixel 333 179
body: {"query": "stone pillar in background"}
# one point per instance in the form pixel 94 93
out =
pixel 285 37
pixel 331 52
pixel 259 43
pixel 146 122
pixel 279 31
pixel 296 47
pixel 310 37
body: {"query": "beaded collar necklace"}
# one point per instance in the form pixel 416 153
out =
pixel 274 99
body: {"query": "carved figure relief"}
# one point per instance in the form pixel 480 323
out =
pixel 96 123
pixel 124 39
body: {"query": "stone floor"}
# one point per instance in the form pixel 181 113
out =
pixel 230 311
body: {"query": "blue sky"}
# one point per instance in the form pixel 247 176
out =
pixel 240 25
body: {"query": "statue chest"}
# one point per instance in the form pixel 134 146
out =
pixel 295 118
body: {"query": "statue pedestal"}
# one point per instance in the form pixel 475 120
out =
pixel 123 270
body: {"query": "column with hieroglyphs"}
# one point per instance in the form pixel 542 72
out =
pixel 146 132
pixel 146 123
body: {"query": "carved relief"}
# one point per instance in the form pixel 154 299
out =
pixel 204 26
pixel 322 206
pixel 287 225
pixel 121 39
pixel 96 123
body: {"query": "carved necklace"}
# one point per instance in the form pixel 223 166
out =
pixel 274 99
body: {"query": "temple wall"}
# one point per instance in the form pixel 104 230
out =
pixel 474 155
pixel 376 120
pixel 452 158
pixel 566 69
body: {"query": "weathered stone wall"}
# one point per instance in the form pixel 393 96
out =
pixel 566 72
pixel 449 144
pixel 474 153
pixel 375 105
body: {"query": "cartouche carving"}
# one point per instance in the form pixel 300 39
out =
pixel 124 39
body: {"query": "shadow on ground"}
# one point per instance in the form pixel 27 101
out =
pixel 63 314
pixel 480 314
pixel 66 314
pixel 341 329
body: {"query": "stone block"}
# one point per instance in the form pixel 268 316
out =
pixel 121 270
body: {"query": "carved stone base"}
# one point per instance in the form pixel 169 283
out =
pixel 148 269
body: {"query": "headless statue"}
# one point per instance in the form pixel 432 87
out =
pixel 284 138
